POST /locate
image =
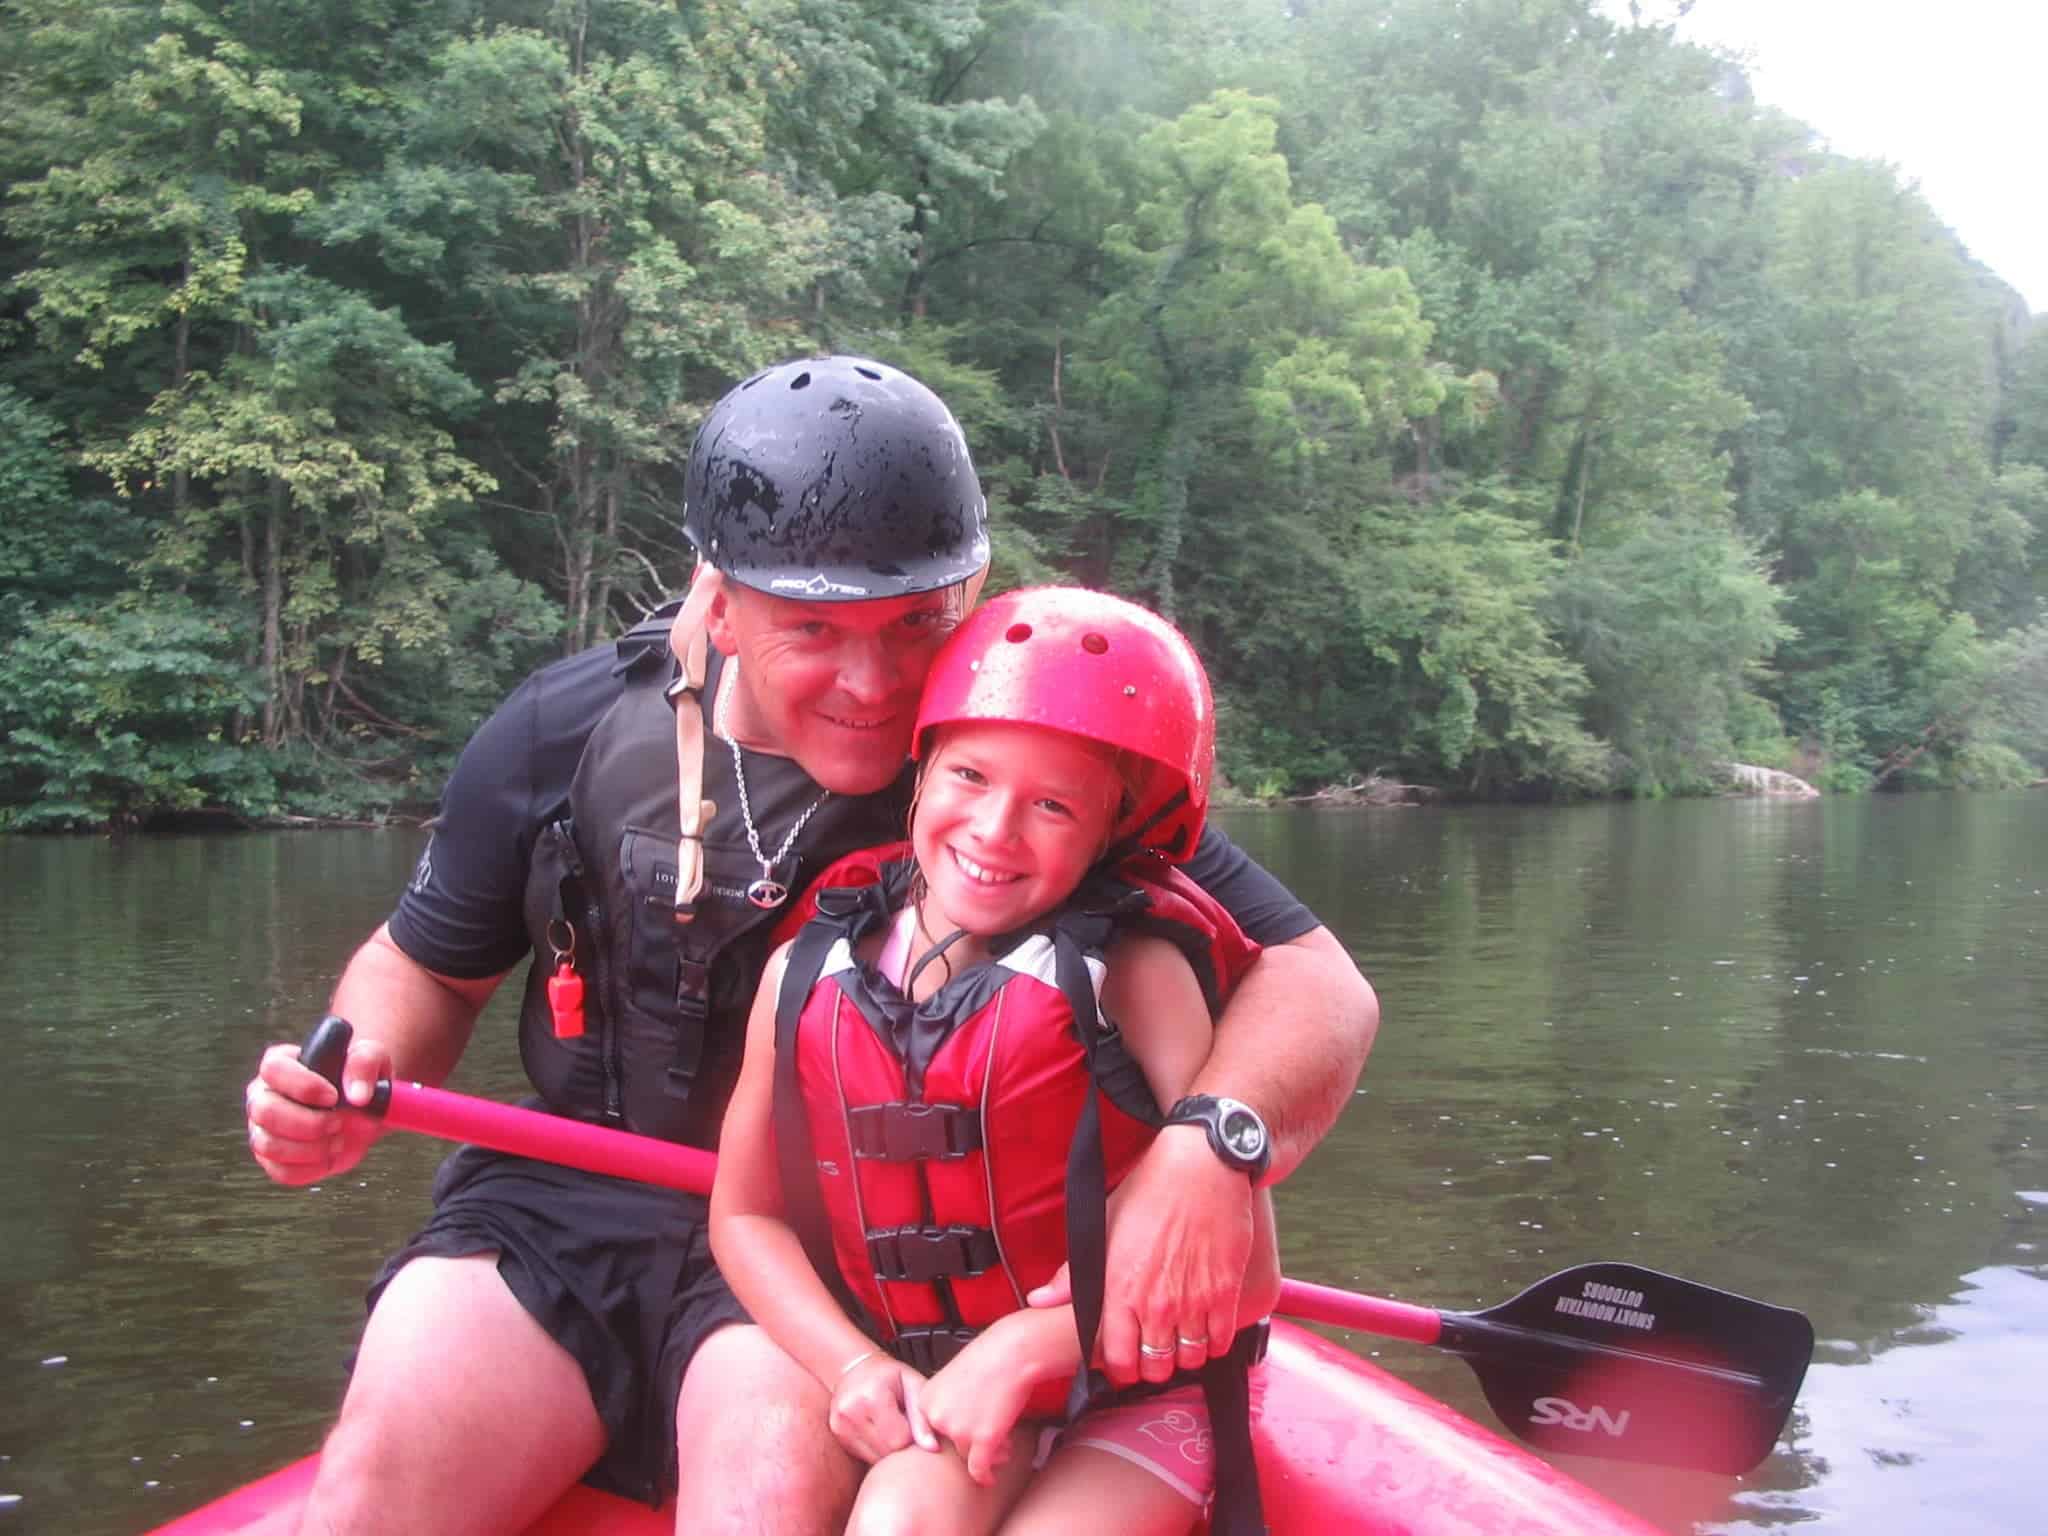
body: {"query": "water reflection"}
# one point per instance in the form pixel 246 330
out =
pixel 1918 1431
pixel 1790 1051
pixel 1794 1051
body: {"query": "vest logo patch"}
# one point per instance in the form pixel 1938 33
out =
pixel 665 880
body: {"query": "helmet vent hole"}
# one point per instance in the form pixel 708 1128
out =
pixel 1094 645
pixel 869 373
pixel 1017 634
pixel 801 381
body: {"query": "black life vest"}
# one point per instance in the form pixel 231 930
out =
pixel 665 1002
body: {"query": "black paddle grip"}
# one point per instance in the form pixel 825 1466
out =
pixel 327 1048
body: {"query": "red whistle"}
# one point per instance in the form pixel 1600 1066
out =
pixel 565 1001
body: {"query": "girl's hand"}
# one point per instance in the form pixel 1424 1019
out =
pixel 876 1409
pixel 976 1400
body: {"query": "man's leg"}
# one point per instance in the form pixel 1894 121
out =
pixel 462 1415
pixel 754 1454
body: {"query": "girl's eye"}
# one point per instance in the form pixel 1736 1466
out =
pixel 1056 807
pixel 970 775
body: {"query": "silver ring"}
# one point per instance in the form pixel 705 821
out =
pixel 1154 1354
pixel 1188 1343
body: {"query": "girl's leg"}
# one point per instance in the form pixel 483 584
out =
pixel 916 1492
pixel 1084 1488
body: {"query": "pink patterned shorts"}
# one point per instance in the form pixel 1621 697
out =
pixel 1167 1435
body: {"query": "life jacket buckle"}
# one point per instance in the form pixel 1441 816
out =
pixel 921 1255
pixel 929 1349
pixel 900 1132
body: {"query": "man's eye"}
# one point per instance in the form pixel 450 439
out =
pixel 924 620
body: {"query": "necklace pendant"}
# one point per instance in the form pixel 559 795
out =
pixel 767 894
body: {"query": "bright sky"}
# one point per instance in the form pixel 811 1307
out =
pixel 1952 92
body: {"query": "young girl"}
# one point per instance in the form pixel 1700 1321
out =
pixel 960 1053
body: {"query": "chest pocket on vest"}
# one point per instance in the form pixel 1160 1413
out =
pixel 682 977
pixel 647 879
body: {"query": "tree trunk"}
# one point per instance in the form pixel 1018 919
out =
pixel 181 368
pixel 273 616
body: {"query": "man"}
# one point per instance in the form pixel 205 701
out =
pixel 633 818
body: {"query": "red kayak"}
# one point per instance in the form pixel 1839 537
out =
pixel 1342 1447
pixel 1604 1359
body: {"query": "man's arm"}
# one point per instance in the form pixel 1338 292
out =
pixel 1291 1043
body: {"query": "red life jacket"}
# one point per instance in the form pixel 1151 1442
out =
pixel 934 1153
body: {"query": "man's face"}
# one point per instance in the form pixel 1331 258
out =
pixel 833 685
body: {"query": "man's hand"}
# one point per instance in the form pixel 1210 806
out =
pixel 1179 1241
pixel 294 1133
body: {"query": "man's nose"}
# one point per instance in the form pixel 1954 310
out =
pixel 868 671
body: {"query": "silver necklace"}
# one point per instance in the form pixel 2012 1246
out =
pixel 767 893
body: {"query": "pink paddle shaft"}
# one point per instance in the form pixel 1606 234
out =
pixel 549 1138
pixel 1368 1314
pixel 622 1154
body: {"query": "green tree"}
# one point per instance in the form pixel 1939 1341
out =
pixel 1674 627
pixel 580 186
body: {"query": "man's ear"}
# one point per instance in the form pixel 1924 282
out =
pixel 718 616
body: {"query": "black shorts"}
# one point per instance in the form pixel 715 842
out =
pixel 618 1273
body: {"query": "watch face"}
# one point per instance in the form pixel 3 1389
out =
pixel 1243 1131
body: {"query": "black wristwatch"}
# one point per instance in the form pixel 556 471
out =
pixel 1236 1133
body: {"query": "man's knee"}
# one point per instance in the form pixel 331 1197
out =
pixel 451 1360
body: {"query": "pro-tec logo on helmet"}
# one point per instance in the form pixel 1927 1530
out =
pixel 816 586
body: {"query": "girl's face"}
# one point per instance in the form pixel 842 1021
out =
pixel 1008 820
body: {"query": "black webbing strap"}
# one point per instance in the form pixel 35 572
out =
pixel 794 1157
pixel 1237 1509
pixel 1226 1389
pixel 1087 1178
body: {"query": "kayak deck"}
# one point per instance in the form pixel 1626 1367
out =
pixel 1342 1446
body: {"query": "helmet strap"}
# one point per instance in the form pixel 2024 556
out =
pixel 689 639
pixel 1134 842
pixel 934 953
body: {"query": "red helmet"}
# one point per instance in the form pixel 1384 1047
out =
pixel 1095 666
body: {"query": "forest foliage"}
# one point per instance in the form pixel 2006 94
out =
pixel 1502 397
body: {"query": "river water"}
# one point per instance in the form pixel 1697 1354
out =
pixel 1798 1051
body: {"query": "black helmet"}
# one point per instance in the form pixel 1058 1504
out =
pixel 835 479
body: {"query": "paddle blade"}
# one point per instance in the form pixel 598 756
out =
pixel 1616 1361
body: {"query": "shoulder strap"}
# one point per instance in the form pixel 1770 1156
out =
pixel 794 1157
pixel 690 640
